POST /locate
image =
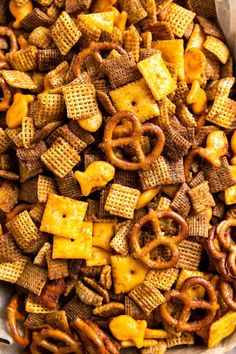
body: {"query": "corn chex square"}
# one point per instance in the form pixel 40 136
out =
pixel 63 216
pixel 121 201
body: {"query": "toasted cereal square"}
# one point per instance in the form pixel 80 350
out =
pixel 157 174
pixel 135 10
pixel 99 257
pixel 223 112
pixel 185 338
pixel 5 141
pixel 50 108
pixel 102 234
pixel 33 307
pixel 162 280
pixel 40 258
pixel 127 273
pixel 45 186
pixel 60 158
pixel 179 19
pixel 33 278
pixel 80 101
pixel 136 98
pixel 65 33
pixel 220 87
pixel 157 76
pixel 57 268
pixel 132 41
pixel 63 216
pixel 218 48
pixel 58 320
pixel 11 271
pixel 204 8
pixel 18 79
pixel 121 201
pixel 23 59
pixel 24 231
pixel 41 37
pixel 81 247
pixel 190 255
pixel 120 242
pixel 9 252
pixel 172 52
pixel 201 197
pixel 9 194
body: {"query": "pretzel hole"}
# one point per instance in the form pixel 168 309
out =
pixel 197 314
pixel 175 307
pixel 196 292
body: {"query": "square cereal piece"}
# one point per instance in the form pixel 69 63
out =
pixel 9 252
pixel 11 271
pixel 223 112
pixel 28 131
pixel 57 268
pixel 40 258
pixel 58 320
pixel 220 87
pixel 184 338
pixel 50 108
pixel 201 197
pixel 147 296
pixel 179 19
pixel 102 234
pixel 127 273
pixel 190 255
pixel 5 141
pixel 33 278
pixel 60 158
pixel 45 186
pixel 121 201
pixel 65 33
pixel 204 8
pixel 24 231
pixel 68 186
pixel 63 216
pixel 218 48
pixel 172 52
pixel 89 31
pixel 157 76
pixel 18 79
pixel 81 247
pixel 136 98
pixel 134 8
pixel 9 194
pixel 23 59
pixel 181 202
pixel 132 41
pixel 80 101
pixel 160 30
pixel 198 225
pixel 120 242
pixel 33 307
pixel 162 280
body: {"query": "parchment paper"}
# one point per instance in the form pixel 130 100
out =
pixel 226 10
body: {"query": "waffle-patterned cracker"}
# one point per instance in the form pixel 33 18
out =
pixel 9 252
pixel 121 201
pixel 24 231
pixel 60 158
pixel 9 193
pixel 68 186
pixel 18 79
pixel 63 216
pixel 181 202
pixel 80 101
pixel 65 33
pixel 137 98
pixel 50 108
pixel 40 37
pixel 45 186
pixel 190 255
pixel 198 225
pixel 11 271
pixel 201 197
pixel 162 280
pixel 23 59
pixel 33 278
pixel 223 112
pixel 33 307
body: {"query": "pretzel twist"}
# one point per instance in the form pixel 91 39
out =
pixel 5 104
pixel 227 291
pixel 5 31
pixel 170 242
pixel 42 340
pixel 94 49
pixel 133 140
pixel 182 324
pixel 13 316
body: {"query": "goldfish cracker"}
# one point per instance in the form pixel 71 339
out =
pixel 233 147
pixel 146 197
pixel 97 174
pixel 19 12
pixel 120 20
pixel 216 147
pixel 18 110
pixel 91 124
pixel 124 327
pixel 230 193
pixel 197 98
pixel 197 38
pixel 195 64
pixel 103 5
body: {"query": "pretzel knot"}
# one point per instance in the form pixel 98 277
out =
pixel 210 306
pixel 227 291
pixel 94 49
pixel 47 338
pixel 133 140
pixel 5 31
pixel 143 253
pixel 14 315
pixel 5 104
pixel 224 260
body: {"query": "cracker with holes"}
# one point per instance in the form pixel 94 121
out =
pixel 63 216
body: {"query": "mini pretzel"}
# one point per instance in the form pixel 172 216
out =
pixel 91 339
pixel 5 104
pixel 110 346
pixel 134 140
pixel 42 340
pixel 143 253
pixel 182 324
pixel 5 31
pixel 227 291
pixel 94 49
pixel 14 315
pixel 225 239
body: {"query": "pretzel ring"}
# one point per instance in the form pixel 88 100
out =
pixel 14 315
pixel 225 239
pixel 94 49
pixel 133 140
pixel 110 346
pixel 91 339
pixel 40 340
pixel 182 324
pixel 5 31
pixel 170 242
pixel 227 293
pixel 5 104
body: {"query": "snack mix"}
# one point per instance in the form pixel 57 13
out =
pixel 117 175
